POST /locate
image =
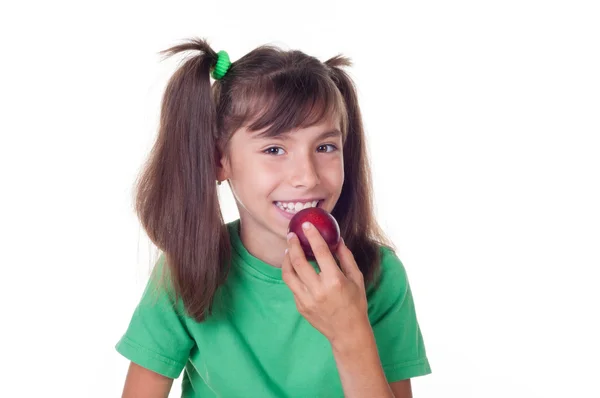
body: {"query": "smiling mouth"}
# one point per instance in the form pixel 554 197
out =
pixel 294 207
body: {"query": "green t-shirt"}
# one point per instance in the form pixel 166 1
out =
pixel 256 344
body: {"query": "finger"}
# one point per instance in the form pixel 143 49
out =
pixel 320 249
pixel 290 277
pixel 348 263
pixel 304 270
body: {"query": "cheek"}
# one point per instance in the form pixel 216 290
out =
pixel 267 174
pixel 255 177
pixel 333 172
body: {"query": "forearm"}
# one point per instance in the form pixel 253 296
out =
pixel 359 366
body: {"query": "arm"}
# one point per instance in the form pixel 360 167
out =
pixel 402 389
pixel 144 383
pixel 360 369
pixel 157 341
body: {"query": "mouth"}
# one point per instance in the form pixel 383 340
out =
pixel 294 207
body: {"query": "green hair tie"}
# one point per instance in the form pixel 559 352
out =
pixel 223 64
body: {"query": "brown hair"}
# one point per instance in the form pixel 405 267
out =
pixel 271 89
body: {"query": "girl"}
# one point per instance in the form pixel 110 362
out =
pixel 237 305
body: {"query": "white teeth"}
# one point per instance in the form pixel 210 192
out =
pixel 293 208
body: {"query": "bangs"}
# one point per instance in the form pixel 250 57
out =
pixel 288 101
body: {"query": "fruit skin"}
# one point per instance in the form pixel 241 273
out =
pixel 325 223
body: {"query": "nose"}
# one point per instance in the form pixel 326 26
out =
pixel 303 172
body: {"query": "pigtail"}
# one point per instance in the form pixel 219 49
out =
pixel 177 200
pixel 355 207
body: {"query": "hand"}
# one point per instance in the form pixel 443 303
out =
pixel 334 301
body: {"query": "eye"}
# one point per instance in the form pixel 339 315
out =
pixel 333 148
pixel 274 150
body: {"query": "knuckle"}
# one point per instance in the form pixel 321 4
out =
pixel 358 273
pixel 360 277
pixel 320 295
pixel 296 262
pixel 310 307
pixel 304 307
pixel 336 283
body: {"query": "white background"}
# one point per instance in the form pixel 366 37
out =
pixel 483 121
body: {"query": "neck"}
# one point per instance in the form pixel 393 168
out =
pixel 266 246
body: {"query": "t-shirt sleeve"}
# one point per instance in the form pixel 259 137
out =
pixel 157 337
pixel 394 322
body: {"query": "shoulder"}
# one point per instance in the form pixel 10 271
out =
pixel 160 293
pixel 389 286
pixel 159 279
pixel 390 261
pixel 391 273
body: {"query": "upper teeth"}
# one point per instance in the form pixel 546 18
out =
pixel 293 207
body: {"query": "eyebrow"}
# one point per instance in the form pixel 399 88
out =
pixel 330 134
pixel 284 136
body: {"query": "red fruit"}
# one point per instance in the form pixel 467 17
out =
pixel 325 224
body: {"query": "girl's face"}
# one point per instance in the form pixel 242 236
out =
pixel 272 178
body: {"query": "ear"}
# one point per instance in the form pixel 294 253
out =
pixel 223 167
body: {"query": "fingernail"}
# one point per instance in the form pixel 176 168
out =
pixel 286 250
pixel 290 235
pixel 306 225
